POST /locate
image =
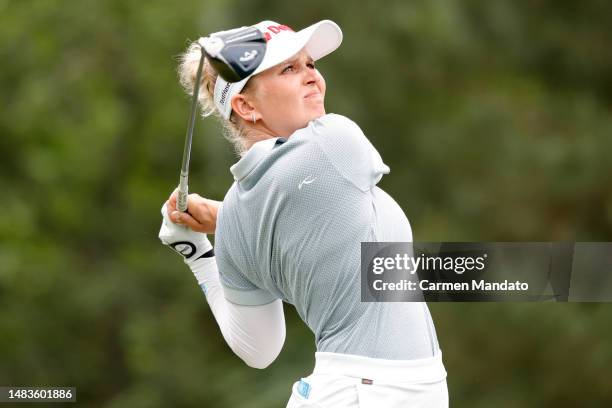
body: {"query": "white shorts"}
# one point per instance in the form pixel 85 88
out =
pixel 349 381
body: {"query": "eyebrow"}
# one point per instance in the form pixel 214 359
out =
pixel 294 60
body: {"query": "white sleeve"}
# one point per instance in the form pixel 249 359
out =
pixel 255 333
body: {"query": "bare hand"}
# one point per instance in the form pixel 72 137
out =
pixel 201 215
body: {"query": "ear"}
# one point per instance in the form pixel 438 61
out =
pixel 242 106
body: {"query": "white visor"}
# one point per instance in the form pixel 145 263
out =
pixel 283 43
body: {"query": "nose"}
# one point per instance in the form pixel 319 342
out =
pixel 311 76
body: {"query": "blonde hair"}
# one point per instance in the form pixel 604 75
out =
pixel 234 129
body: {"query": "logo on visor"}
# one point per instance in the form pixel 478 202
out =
pixel 224 93
pixel 275 29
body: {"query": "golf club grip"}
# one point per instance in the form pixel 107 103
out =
pixel 181 202
pixel 183 193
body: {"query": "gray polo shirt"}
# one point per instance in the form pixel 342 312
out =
pixel 290 228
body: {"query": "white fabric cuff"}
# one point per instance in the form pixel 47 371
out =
pixel 254 297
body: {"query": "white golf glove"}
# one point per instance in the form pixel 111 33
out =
pixel 191 245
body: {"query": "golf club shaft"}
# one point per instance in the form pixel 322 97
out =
pixel 183 190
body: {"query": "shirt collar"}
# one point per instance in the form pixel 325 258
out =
pixel 253 156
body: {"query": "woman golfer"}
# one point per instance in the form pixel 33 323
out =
pixel 290 227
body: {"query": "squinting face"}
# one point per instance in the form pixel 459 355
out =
pixel 289 95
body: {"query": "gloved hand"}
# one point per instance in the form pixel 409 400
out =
pixel 191 245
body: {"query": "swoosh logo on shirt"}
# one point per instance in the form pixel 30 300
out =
pixel 307 180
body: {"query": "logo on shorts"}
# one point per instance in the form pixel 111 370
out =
pixel 303 388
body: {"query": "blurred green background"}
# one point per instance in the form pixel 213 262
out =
pixel 494 116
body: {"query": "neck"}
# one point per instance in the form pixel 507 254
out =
pixel 258 132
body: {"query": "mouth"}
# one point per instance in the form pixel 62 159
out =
pixel 313 94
